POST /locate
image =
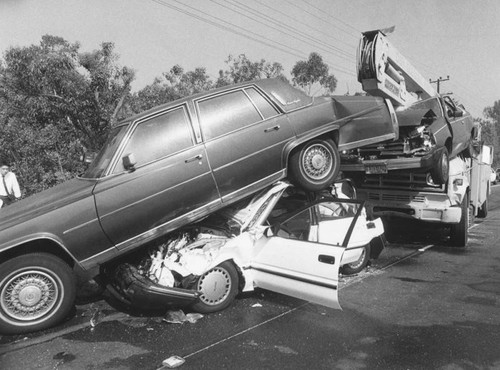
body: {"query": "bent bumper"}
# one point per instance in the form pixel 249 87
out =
pixel 140 292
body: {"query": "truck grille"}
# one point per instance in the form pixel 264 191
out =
pixel 403 198
pixel 400 180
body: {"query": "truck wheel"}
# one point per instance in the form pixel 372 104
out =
pixel 218 288
pixel 357 266
pixel 482 212
pixel 441 169
pixel 37 291
pixel 315 165
pixel 459 233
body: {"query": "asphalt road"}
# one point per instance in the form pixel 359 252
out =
pixel 421 305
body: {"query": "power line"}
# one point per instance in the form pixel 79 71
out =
pixel 240 31
pixel 303 23
pixel 298 36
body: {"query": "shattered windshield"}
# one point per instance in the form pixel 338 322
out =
pixel 101 162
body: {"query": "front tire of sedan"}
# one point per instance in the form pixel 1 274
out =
pixel 315 165
pixel 441 169
pixel 37 291
pixel 357 266
pixel 217 287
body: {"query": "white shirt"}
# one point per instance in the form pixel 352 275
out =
pixel 12 185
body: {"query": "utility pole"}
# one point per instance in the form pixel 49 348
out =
pixel 438 81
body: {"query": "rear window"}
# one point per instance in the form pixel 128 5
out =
pixel 225 113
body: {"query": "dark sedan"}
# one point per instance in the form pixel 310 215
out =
pixel 166 168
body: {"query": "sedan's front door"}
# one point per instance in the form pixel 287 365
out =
pixel 298 268
pixel 170 185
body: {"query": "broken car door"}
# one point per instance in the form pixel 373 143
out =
pixel 290 264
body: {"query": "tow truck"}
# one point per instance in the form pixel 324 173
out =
pixel 437 170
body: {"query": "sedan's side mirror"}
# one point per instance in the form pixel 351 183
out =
pixel 129 162
pixel 87 157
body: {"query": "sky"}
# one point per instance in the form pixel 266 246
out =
pixel 441 38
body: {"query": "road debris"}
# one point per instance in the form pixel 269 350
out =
pixel 179 317
pixel 172 362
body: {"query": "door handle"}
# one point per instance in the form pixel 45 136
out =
pixel 195 158
pixel 274 128
pixel 323 258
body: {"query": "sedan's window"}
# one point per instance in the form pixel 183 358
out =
pixel 336 210
pixel 159 137
pixel 98 167
pixel 225 113
pixel 297 227
pixel 265 107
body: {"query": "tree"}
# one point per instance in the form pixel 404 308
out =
pixel 55 100
pixel 241 69
pixel 173 85
pixel 311 72
pixel 491 129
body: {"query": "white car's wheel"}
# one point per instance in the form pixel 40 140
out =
pixel 37 291
pixel 217 287
pixel 357 266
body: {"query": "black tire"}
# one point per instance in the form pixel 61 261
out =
pixel 482 212
pixel 441 169
pixel 315 165
pixel 218 288
pixel 357 266
pixel 459 233
pixel 37 291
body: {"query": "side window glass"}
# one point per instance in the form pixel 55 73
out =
pixel 265 107
pixel 297 227
pixel 336 210
pixel 225 113
pixel 159 137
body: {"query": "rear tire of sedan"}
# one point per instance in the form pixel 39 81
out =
pixel 217 287
pixel 441 170
pixel 37 291
pixel 357 266
pixel 315 165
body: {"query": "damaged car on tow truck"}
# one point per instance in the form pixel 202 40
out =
pixel 282 239
pixel 431 132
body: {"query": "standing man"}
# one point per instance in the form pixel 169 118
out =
pixel 9 187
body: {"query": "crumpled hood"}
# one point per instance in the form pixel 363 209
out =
pixel 45 201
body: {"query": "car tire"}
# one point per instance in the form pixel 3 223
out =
pixel 459 233
pixel 37 291
pixel 315 165
pixel 441 170
pixel 357 266
pixel 217 287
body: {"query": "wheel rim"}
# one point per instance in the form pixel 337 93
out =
pixel 359 262
pixel 29 295
pixel 214 286
pixel 317 162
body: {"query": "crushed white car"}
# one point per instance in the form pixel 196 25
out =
pixel 282 239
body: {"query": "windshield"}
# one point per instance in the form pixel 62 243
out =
pixel 101 162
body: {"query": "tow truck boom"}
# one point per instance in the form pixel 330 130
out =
pixel 383 71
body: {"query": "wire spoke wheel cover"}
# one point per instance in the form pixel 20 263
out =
pixel 37 291
pixel 317 162
pixel 30 294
